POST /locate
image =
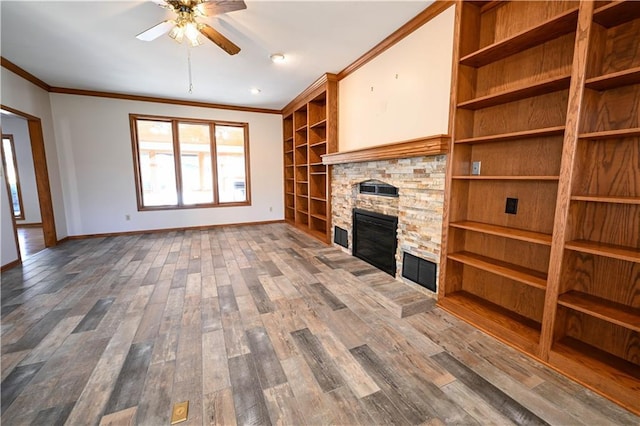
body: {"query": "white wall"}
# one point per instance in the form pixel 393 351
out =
pixel 96 160
pixel 8 240
pixel 28 98
pixel 413 105
pixel 18 128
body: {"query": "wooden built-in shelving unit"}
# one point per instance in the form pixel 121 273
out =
pixel 546 95
pixel 310 131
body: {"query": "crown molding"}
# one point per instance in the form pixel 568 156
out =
pixel 159 100
pixel 314 89
pixel 433 10
pixel 4 62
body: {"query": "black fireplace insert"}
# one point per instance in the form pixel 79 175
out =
pixel 375 239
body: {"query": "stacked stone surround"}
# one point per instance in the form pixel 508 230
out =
pixel 419 206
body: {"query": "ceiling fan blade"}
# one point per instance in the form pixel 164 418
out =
pixel 217 7
pixel 224 43
pixel 156 31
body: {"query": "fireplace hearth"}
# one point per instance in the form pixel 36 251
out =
pixel 375 239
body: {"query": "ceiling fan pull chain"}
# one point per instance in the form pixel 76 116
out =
pixel 189 66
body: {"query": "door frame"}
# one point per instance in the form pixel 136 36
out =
pixel 43 186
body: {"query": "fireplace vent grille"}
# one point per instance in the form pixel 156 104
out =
pixel 419 271
pixel 378 188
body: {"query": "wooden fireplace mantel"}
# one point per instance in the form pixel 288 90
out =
pixel 429 145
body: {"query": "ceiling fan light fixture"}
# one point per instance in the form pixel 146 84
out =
pixel 192 33
pixel 177 33
pixel 277 58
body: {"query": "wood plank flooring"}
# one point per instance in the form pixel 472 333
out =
pixel 253 325
pixel 30 240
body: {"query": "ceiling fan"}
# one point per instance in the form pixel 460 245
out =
pixel 185 24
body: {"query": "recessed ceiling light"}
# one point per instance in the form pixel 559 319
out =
pixel 255 90
pixel 277 58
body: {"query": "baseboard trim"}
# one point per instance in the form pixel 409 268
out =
pixel 29 225
pixel 10 265
pixel 157 231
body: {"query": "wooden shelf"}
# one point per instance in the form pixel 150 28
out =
pixel 289 139
pixel 504 177
pixel 607 250
pixel 312 118
pixel 493 319
pixel 534 36
pixel 319 199
pixel 616 79
pixel 616 13
pixel 612 134
pixel 526 134
pixel 320 123
pixel 600 370
pixel 606 199
pixel 503 231
pixel 318 216
pixel 606 310
pixel 529 131
pixel 504 269
pixel 518 93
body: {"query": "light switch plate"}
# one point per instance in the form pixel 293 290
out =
pixel 475 168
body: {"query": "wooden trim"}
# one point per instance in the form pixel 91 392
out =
pixel 175 121
pixel 14 229
pixel 126 97
pixel 24 74
pixel 157 231
pixel 36 136
pixel 111 95
pixel 569 146
pixel 11 265
pixel 309 93
pixel 15 166
pixel 18 113
pixel 453 100
pixel 29 225
pixel 42 182
pixel 419 20
pixel 429 145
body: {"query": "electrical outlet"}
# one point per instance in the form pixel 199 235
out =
pixel 512 206
pixel 475 168
pixel 127 217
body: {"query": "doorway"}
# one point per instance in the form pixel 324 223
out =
pixel 34 225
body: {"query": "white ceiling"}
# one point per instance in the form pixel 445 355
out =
pixel 91 45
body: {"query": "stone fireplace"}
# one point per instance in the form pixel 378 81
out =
pixel 419 204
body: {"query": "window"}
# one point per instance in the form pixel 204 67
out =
pixel 10 165
pixel 186 163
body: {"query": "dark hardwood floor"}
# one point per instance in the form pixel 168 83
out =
pixel 252 325
pixel 30 240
